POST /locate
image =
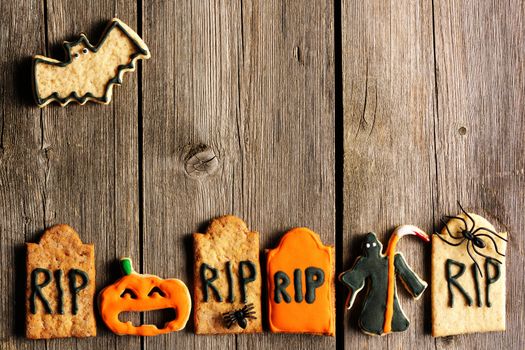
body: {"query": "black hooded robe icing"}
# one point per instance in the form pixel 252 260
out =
pixel 374 267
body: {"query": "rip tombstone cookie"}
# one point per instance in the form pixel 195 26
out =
pixel 60 286
pixel 301 290
pixel 89 72
pixel 468 276
pixel 227 278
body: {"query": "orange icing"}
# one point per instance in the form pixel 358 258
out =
pixel 301 248
pixel 389 312
pixel 176 296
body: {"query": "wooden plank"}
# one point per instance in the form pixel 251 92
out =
pixel 389 176
pixel 253 82
pixel 189 97
pixel 287 124
pixel 22 175
pixel 480 135
pixel 91 159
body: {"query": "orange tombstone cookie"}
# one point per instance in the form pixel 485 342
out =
pixel 301 289
pixel 137 292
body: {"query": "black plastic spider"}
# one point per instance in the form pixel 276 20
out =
pixel 239 316
pixel 472 237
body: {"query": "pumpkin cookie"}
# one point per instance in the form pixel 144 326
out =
pixel 60 286
pixel 138 293
pixel 227 278
pixel 301 289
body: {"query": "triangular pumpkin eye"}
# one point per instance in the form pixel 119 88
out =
pixel 129 292
pixel 156 290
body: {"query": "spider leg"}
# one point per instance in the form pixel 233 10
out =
pixel 468 215
pixel 486 256
pixel 248 307
pixel 448 230
pixel 449 243
pixel 488 230
pixel 493 242
pixel 230 318
pixel 470 254
pixel 458 218
pixel 251 317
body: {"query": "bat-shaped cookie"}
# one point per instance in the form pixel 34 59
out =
pixel 89 72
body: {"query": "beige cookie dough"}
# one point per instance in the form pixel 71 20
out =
pixel 462 318
pixel 226 247
pixel 89 72
pixel 60 286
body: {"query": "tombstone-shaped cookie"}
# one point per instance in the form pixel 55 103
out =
pixel 227 278
pixel 301 293
pixel 468 277
pixel 60 286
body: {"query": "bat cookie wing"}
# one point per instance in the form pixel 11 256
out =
pixel 89 72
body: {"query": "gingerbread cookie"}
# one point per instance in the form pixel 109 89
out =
pixel 89 72
pixel 381 312
pixel 60 286
pixel 301 293
pixel 137 292
pixel 468 276
pixel 227 278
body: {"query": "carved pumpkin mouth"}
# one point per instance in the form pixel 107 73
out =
pixel 158 318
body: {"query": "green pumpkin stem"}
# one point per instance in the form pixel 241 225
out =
pixel 126 266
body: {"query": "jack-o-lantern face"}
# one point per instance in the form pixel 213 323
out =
pixel 137 292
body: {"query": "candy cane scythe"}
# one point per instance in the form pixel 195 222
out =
pixel 399 232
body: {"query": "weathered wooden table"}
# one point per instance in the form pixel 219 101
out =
pixel 345 117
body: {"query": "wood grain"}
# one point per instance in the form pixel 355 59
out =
pixel 433 113
pixel 76 165
pixel 480 135
pixel 22 176
pixel 92 159
pixel 287 124
pixel 253 82
pixel 389 167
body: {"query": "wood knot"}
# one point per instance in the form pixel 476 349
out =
pixel 201 161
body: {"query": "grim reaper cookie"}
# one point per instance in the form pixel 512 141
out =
pixel 381 312
pixel 227 278
pixel 60 286
pixel 89 71
pixel 468 276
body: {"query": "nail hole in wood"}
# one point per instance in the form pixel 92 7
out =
pixel 462 131
pixel 201 161
pixel 297 54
